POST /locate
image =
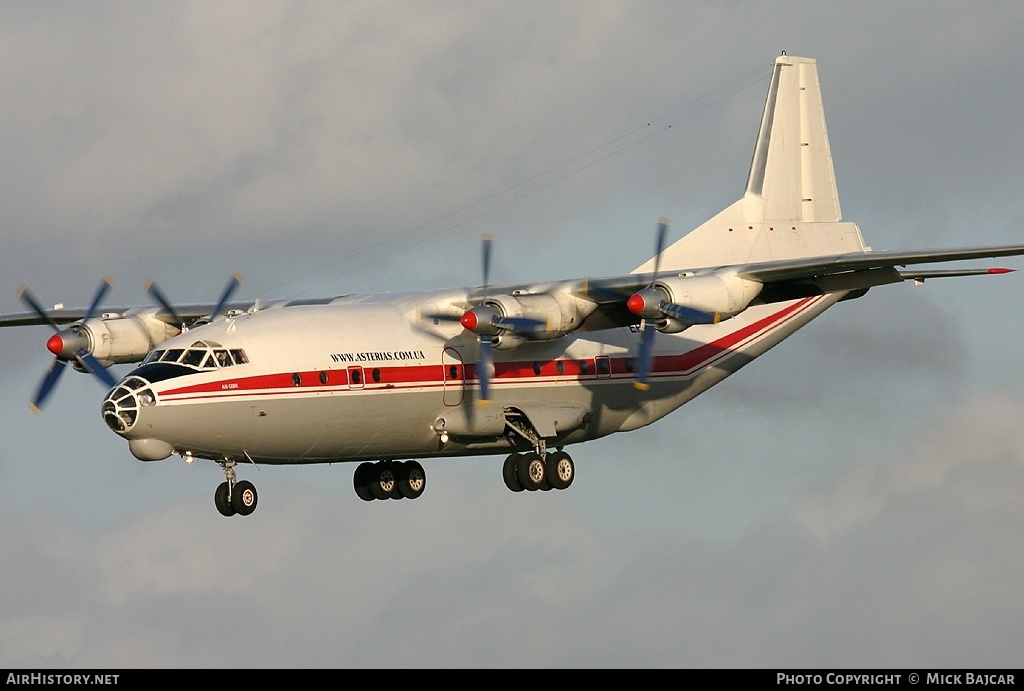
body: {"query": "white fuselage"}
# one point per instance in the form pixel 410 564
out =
pixel 360 379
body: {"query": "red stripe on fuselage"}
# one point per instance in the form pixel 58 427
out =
pixel 430 376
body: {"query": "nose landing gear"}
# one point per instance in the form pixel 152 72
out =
pixel 234 497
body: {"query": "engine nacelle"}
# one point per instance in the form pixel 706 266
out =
pixel 120 339
pixel 516 318
pixel 723 295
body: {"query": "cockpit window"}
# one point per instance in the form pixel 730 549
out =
pixel 193 357
pixel 172 355
pixel 201 355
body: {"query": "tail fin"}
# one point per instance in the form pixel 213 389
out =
pixel 791 172
pixel 790 207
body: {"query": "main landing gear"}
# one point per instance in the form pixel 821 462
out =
pixel 538 470
pixel 389 480
pixel 234 497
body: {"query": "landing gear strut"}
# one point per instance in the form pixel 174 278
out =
pixel 389 480
pixel 234 497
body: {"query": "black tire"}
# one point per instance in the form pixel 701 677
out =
pixel 382 480
pixel 510 472
pixel 412 480
pixel 361 481
pixel 220 499
pixel 560 470
pixel 244 498
pixel 531 471
pixel 397 468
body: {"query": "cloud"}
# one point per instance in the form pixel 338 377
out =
pixel 906 561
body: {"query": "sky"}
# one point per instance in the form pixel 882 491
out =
pixel 850 499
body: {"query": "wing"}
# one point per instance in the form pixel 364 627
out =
pixel 184 314
pixel 677 299
pixel 817 275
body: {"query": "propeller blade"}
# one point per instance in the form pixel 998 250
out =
pixel 155 293
pixel 94 367
pixel 27 298
pixel 645 356
pixel 659 245
pixel 57 368
pixel 485 366
pixel 519 324
pixel 488 240
pixel 688 315
pixel 105 285
pixel 232 285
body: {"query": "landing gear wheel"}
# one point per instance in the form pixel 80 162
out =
pixel 560 470
pixel 412 480
pixel 397 468
pixel 510 472
pixel 220 498
pixel 531 472
pixel 243 498
pixel 361 481
pixel 383 481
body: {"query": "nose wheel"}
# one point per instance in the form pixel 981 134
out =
pixel 234 496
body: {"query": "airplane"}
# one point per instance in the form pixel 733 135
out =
pixel 519 370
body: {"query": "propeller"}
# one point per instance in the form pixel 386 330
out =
pixel 645 354
pixel 651 305
pixel 486 321
pixel 485 363
pixel 158 295
pixel 67 345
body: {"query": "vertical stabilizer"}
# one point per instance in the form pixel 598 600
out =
pixel 791 172
pixel 790 207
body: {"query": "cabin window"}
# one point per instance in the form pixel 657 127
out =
pixel 375 374
pixel 297 379
pixel 536 368
pixel 584 367
pixel 560 367
pixel 323 376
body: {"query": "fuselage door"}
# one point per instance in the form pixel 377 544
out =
pixel 453 375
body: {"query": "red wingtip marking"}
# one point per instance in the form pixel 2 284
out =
pixel 55 345
pixel 1001 271
pixel 635 303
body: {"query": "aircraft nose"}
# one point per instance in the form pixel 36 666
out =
pixel 122 406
